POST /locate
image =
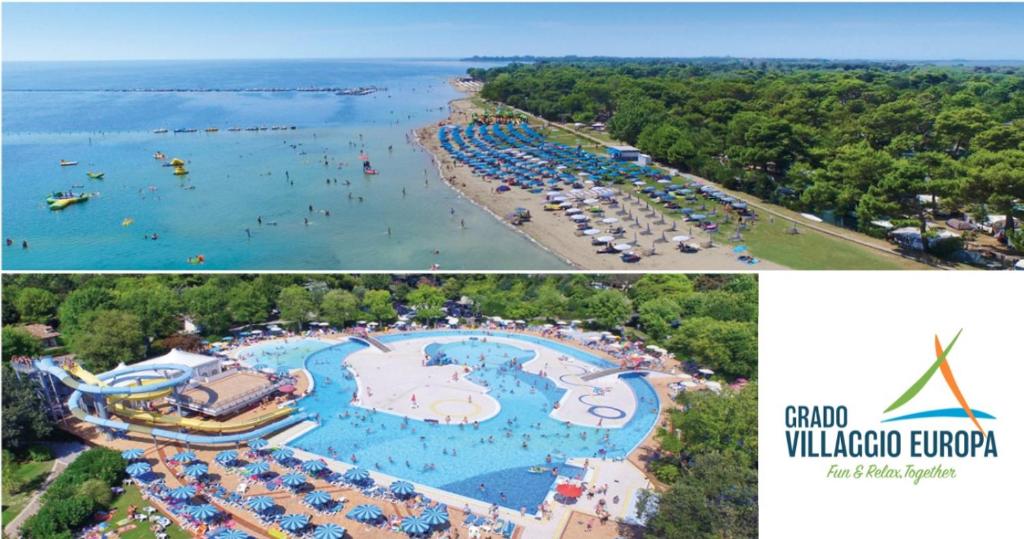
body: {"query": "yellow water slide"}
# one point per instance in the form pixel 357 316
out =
pixel 116 403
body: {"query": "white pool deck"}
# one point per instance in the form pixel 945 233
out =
pixel 387 381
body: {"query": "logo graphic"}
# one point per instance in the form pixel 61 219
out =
pixel 942 364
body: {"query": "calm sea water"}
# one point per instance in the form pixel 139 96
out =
pixel 236 177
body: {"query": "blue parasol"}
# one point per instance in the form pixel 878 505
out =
pixel 196 470
pixel 138 468
pixel 402 488
pixel 293 479
pixel 232 533
pixel 313 466
pixel 260 503
pixel 328 531
pixel 435 516
pixel 258 443
pixel 257 468
pixel 184 456
pixel 226 457
pixel 132 454
pixel 357 475
pixel 203 512
pixel 293 523
pixel 365 513
pixel 282 453
pixel 318 497
pixel 414 526
pixel 182 493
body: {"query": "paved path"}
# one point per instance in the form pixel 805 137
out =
pixel 66 454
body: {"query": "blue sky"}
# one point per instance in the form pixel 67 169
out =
pixel 196 31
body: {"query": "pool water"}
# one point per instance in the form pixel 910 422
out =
pixel 497 454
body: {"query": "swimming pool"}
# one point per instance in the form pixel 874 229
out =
pixel 460 458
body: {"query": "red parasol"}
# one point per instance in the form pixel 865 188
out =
pixel 569 490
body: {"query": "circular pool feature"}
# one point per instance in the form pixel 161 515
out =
pixel 455 408
pixel 593 411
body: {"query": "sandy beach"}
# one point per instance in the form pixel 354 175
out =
pixel 554 230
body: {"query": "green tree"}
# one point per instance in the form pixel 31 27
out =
pixel 661 285
pixel 24 416
pixel 715 497
pixel 208 306
pixel 340 308
pixel 657 316
pixel 726 346
pixel 36 305
pixel 428 302
pixel 18 342
pixel 79 302
pixel 956 127
pixel 997 179
pixel 377 304
pixel 108 337
pixel 155 305
pixel 247 303
pixel 296 304
pixel 608 308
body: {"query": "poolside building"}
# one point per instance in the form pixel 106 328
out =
pixel 43 333
pixel 624 153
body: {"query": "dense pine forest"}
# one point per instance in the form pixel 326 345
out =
pixel 857 142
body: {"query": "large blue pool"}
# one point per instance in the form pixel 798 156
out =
pixel 492 454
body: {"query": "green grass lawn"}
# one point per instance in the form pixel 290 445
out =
pixel 31 475
pixel 132 496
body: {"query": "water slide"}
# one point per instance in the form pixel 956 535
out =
pixel 149 423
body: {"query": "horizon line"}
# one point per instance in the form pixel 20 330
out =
pixel 484 57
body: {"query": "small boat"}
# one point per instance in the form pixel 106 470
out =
pixel 128 221
pixel 180 171
pixel 538 469
pixel 65 163
pixel 252 129
pixel 59 201
pixel 234 129
pixel 196 260
pixel 94 175
pixel 177 162
pixel 370 171
pixel 159 156
pixel 160 131
pixel 212 129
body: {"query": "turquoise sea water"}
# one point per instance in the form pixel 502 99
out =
pixel 236 177
pixel 492 454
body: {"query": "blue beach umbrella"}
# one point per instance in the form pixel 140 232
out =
pixel 293 523
pixel 357 475
pixel 313 466
pixel 365 513
pixel 318 497
pixel 203 512
pixel 282 453
pixel 260 503
pixel 138 468
pixel 414 526
pixel 232 533
pixel 402 488
pixel 258 443
pixel 132 454
pixel 257 468
pixel 328 531
pixel 184 456
pixel 293 479
pixel 226 457
pixel 196 470
pixel 435 516
pixel 182 493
